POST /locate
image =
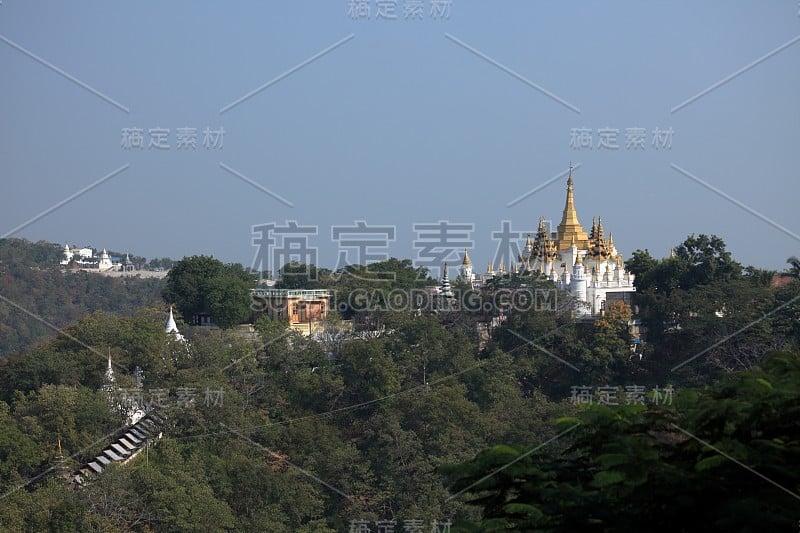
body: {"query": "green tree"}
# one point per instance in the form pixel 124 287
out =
pixel 794 266
pixel 635 467
pixel 203 284
pixel 295 275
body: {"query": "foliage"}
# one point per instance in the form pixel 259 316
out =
pixel 287 432
pixel 203 284
pixel 639 468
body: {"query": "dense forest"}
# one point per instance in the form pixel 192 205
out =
pixel 32 283
pixel 415 420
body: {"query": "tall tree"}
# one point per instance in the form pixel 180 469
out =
pixel 203 284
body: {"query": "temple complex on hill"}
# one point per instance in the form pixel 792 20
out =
pixel 589 266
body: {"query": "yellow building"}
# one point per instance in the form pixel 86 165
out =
pixel 298 306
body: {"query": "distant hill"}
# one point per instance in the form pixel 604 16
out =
pixel 32 279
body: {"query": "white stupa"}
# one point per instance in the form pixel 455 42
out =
pixel 172 328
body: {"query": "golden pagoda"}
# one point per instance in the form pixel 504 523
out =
pixel 570 228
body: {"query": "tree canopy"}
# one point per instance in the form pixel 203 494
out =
pixel 202 284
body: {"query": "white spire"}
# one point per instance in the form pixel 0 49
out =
pixel 108 386
pixel 109 370
pixel 171 326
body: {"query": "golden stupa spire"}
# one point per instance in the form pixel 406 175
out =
pixel 569 226
pixel 466 260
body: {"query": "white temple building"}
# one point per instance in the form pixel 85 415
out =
pixel 587 266
pixel 85 259
pixel 105 262
pixel 465 272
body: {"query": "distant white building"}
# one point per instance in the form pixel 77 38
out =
pixel 68 255
pixel 465 273
pixel 105 262
pixel 85 259
pixel 85 253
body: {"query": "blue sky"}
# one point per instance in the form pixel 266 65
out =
pixel 400 124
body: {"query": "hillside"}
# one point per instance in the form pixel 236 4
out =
pixel 34 291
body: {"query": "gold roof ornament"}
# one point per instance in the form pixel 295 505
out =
pixel 466 260
pixel 598 247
